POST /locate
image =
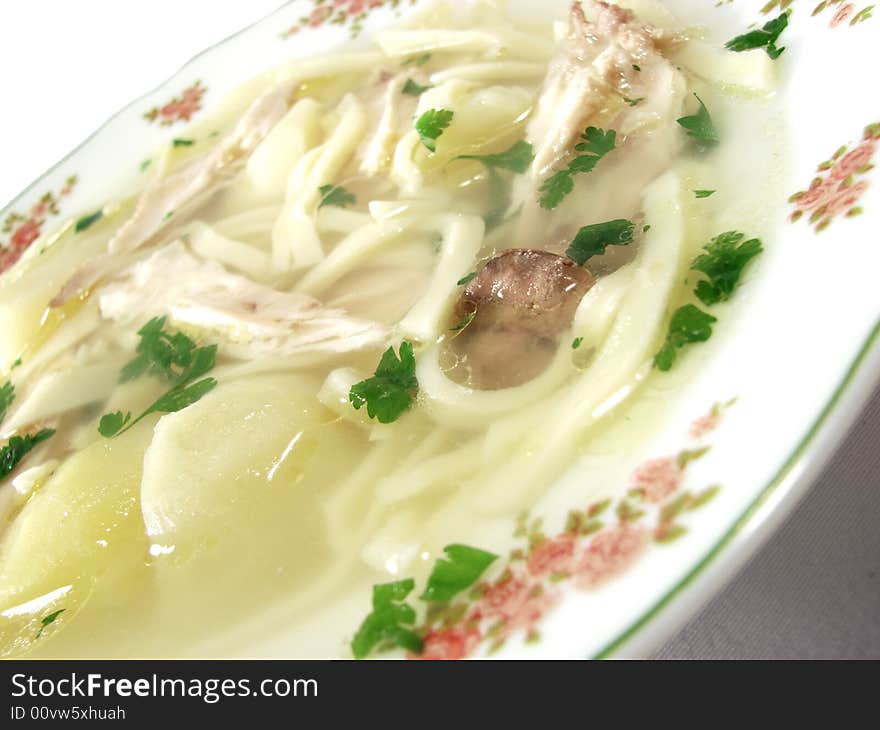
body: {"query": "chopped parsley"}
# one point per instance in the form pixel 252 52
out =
pixel 389 393
pixel 593 240
pixel 634 102
pixel 180 142
pixel 387 622
pixel 464 322
pixel 516 158
pixel 577 342
pixel 704 193
pixel 431 126
pixel 164 355
pixel 461 568
pixel 765 38
pixel 596 143
pixel 88 220
pixel 465 280
pixel 689 324
pixel 411 88
pixel 723 262
pixel 7 395
pixel 46 620
pixel 636 67
pixel 335 195
pixel 170 357
pixel 18 447
pixel 699 126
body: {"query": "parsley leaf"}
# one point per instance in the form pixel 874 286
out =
pixel 162 354
pixel 46 620
pixel 465 280
pixel 391 390
pixel 464 322
pixel 335 195
pixel 418 60
pixel 87 221
pixel 596 143
pixel 172 357
pixel 387 621
pixel 462 569
pixel 723 262
pixel 689 325
pixel 593 240
pixel 411 88
pixel 432 124
pixel 765 38
pixel 699 126
pixel 577 342
pixel 704 193
pixel 112 423
pixel 516 158
pixel 7 395
pixel 178 142
pixel 17 448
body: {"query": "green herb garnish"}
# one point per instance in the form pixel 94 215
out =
pixel 411 88
pixel 596 143
pixel 516 158
pixel 7 395
pixel 46 620
pixel 577 342
pixel 171 357
pixel 179 142
pixel 464 322
pixel 699 126
pixel 689 325
pixel 593 240
pixel 418 60
pixel 723 262
pixel 634 102
pixel 389 393
pixel 17 448
pixel 765 38
pixel 387 622
pixel 704 193
pixel 88 220
pixel 431 126
pixel 459 572
pixel 335 195
pixel 465 280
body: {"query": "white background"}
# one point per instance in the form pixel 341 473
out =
pixel 67 66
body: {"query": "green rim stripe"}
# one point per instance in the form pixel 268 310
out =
pixel 752 509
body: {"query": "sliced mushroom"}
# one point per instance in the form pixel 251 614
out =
pixel 520 302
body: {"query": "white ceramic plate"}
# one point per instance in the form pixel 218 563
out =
pixel 792 361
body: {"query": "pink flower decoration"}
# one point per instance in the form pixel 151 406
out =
pixel 552 557
pixel 842 15
pixel 846 199
pixel 658 478
pixel 853 161
pixel 610 553
pixel 704 425
pixel 455 642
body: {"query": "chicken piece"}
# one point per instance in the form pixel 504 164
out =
pixel 251 318
pixel 183 191
pixel 610 73
pixel 520 302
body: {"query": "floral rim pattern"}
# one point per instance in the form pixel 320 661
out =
pixel 349 14
pixel 25 228
pixel 843 11
pixel 181 108
pixel 836 191
pixel 597 544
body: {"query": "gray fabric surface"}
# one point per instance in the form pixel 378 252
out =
pixel 813 591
